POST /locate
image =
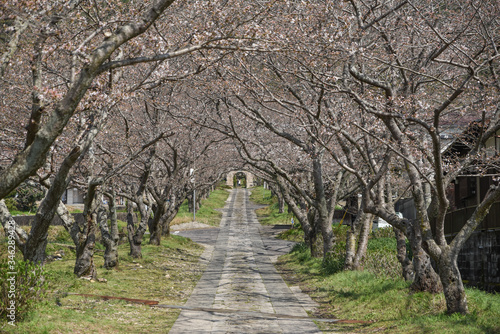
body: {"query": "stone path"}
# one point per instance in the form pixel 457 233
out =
pixel 241 280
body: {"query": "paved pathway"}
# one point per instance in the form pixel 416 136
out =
pixel 241 280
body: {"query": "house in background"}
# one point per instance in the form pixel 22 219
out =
pixel 73 196
pixel 479 260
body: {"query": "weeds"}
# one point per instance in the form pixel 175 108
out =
pixel 22 285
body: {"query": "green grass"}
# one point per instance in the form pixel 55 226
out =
pixel 361 295
pixel 207 213
pixel 260 195
pixel 270 215
pixel 166 273
pixel 376 295
pixel 22 213
pixel 32 213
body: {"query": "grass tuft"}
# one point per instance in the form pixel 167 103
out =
pixel 207 214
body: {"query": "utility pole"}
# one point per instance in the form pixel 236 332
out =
pixel 193 181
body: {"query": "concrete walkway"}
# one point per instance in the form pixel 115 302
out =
pixel 241 281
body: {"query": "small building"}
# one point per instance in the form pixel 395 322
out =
pixel 73 196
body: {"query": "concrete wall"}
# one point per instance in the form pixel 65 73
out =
pixel 479 260
pixel 28 220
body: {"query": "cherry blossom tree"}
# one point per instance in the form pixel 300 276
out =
pixel 441 71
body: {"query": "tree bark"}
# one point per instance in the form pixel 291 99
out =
pixel 312 235
pixel 281 202
pixel 9 224
pixel 84 264
pixel 322 206
pixel 426 278
pixel 350 246
pixel 34 248
pixel 408 272
pixel 156 226
pixel 110 236
pixel 453 287
pixel 135 235
pixel 339 182
pixel 366 222
pixel 300 213
pixel 175 205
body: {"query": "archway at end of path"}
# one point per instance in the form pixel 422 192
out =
pixel 246 179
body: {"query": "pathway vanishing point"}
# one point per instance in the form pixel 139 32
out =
pixel 242 282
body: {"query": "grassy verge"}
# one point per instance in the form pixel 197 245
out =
pixel 386 302
pixel 376 295
pixel 166 273
pixel 207 213
pixel 269 215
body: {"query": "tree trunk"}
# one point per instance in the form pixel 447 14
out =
pixel 34 248
pixel 84 264
pixel 281 202
pixel 324 224
pixel 155 228
pixel 9 224
pixel 302 216
pixel 135 235
pixel 351 242
pixel 110 237
pixel 175 205
pixel 135 247
pixel 350 247
pixel 190 201
pixel 453 287
pixel 402 255
pixel 426 278
pixel 339 181
pixel 366 222
pixel 312 236
pixel 166 224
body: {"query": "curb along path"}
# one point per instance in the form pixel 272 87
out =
pixel 241 281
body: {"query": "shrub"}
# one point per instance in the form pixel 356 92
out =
pixel 21 285
pixel 25 197
pixel 10 203
pixel 385 232
pixel 383 264
pixel 381 259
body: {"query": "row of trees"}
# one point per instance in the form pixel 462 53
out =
pixel 76 112
pixel 359 100
pixel 324 100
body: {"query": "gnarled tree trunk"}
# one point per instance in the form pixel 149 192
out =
pixel 453 287
pixel 426 278
pixel 366 223
pixel 110 236
pixel 9 224
pixel 281 202
pixel 325 225
pixel 312 236
pixel 135 235
pixel 408 272
pixel 155 226
pixel 84 264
